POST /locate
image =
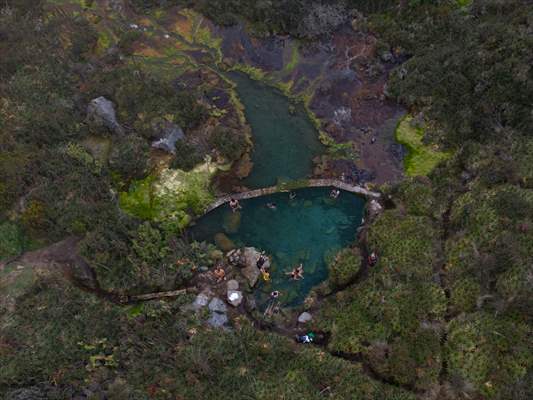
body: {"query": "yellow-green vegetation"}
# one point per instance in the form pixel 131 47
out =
pixel 421 158
pixel 253 72
pixel 105 40
pixel 295 58
pixel 173 198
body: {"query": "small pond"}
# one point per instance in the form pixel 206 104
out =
pixel 285 142
pixel 309 229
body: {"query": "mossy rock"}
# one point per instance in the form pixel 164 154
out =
pixel 224 242
pixel 232 222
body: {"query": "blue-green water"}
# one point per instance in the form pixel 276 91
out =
pixel 309 229
pixel 284 143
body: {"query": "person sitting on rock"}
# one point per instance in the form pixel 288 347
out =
pixel 372 259
pixel 334 193
pixel 234 204
pixel 219 273
pixel 265 274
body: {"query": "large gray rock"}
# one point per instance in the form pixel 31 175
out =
pixel 304 318
pixel 217 306
pixel 168 134
pixel 374 208
pixel 201 301
pixel 101 112
pixel 235 297
pixel 218 320
pixel 233 285
pixel 250 270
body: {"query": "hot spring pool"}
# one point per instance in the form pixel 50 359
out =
pixel 308 229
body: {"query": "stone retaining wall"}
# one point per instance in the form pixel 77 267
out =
pixel 309 183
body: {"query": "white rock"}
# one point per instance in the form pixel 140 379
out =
pixel 235 297
pixel 304 317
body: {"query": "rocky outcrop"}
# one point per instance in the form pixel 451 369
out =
pixel 234 295
pixel 101 113
pixel 246 259
pixel 168 134
pixel 373 209
pixel 217 305
pixel 218 320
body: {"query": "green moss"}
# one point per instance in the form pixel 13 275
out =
pixel 421 158
pixel 12 241
pixel 254 73
pixel 105 40
pixel 139 200
pixel 295 58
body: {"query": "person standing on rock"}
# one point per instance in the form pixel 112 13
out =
pixel 261 260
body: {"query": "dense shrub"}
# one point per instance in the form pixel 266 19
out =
pixel 230 144
pixel 187 156
pixel 129 157
pixel 344 267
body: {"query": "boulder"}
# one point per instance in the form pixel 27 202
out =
pixel 374 208
pixel 168 134
pixel 233 284
pixel 235 297
pixel 217 306
pixel 218 320
pixel 235 257
pixel 387 56
pixel 101 113
pixel 304 318
pixel 201 301
pixel 250 271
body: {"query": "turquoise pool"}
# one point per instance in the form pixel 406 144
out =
pixel 308 229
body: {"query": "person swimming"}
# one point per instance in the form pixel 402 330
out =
pixel 272 206
pixel 297 273
pixel 334 193
pixel 292 196
pixel 234 204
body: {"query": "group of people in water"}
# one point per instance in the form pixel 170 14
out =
pixel 236 206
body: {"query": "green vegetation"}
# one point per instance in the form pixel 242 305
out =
pixel 446 311
pixel 344 267
pixel 421 158
pixel 12 241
